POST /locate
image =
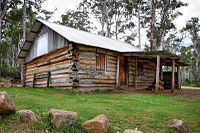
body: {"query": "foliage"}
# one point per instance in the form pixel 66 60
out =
pixel 166 11
pixel 77 19
pixel 12 32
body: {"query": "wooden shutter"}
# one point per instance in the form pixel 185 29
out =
pixel 102 61
pixel 98 61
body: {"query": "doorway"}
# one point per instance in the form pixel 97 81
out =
pixel 123 70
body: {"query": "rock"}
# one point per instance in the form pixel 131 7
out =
pixel 19 85
pixel 29 116
pixel 6 104
pixel 98 124
pixel 132 131
pixel 61 117
pixel 1 84
pixel 178 125
pixel 8 85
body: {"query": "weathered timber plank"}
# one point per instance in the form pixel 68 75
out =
pixel 86 48
pixel 96 85
pixel 51 65
pixel 49 69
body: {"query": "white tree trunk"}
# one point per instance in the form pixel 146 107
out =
pixel 139 28
pixel 24 37
pixel 162 41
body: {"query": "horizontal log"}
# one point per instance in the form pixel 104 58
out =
pixel 111 65
pixel 61 85
pixel 88 54
pixel 61 72
pixel 111 61
pixel 111 58
pixel 111 69
pixel 60 80
pixel 108 52
pixel 49 69
pixel 97 81
pixel 88 61
pixel 96 77
pixel 97 85
pixel 86 48
pixel 86 68
pixel 48 66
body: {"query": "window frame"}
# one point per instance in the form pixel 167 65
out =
pixel 140 69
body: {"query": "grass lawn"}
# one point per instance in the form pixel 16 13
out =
pixel 148 113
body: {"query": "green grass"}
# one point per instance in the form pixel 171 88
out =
pixel 148 113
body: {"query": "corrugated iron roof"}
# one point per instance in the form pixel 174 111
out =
pixel 76 36
pixel 87 38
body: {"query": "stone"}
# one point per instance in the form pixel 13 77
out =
pixel 59 117
pixel 6 104
pixel 179 125
pixel 19 85
pixel 132 131
pixel 1 84
pixel 29 116
pixel 99 124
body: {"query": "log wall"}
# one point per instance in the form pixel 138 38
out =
pixel 88 75
pixel 60 65
pixel 131 67
pixel 74 67
pixel 145 79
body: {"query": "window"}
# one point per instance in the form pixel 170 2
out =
pixel 140 69
pixel 100 61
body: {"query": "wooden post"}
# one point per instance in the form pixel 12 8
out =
pixel 157 74
pixel 161 72
pixel 173 76
pixel 48 78
pixel 136 73
pixel 118 73
pixel 126 70
pixel 179 77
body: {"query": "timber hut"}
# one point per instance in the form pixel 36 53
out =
pixel 57 56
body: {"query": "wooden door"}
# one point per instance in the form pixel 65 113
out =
pixel 122 71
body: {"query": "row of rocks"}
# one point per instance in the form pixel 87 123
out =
pixel 58 118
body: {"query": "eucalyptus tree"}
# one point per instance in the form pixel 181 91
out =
pixel 77 19
pixel 13 29
pixel 136 10
pixel 2 15
pixel 111 14
pixel 166 11
pixel 192 31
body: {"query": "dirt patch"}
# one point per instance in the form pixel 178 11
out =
pixel 191 87
pixel 191 94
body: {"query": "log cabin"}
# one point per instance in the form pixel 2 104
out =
pixel 57 56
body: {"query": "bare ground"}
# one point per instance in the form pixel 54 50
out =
pixel 191 87
pixel 193 94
